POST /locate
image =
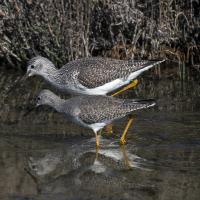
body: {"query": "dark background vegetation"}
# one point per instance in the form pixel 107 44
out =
pixel 66 30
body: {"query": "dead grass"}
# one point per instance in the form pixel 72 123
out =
pixel 124 29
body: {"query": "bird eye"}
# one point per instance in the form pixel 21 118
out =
pixel 32 66
pixel 33 167
pixel 38 98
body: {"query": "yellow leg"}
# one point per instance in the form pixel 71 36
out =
pixel 97 139
pixel 109 128
pixel 122 139
pixel 131 85
pixel 97 153
pixel 125 156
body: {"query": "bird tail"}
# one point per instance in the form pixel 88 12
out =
pixel 137 104
pixel 151 64
pixel 156 62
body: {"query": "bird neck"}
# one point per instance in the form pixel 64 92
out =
pixel 57 103
pixel 52 75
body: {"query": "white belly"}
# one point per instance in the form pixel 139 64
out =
pixel 97 126
pixel 106 88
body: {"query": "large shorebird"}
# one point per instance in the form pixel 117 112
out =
pixel 94 112
pixel 92 75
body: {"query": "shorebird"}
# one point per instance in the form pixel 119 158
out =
pixel 92 75
pixel 94 112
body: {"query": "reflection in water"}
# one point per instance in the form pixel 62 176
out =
pixel 62 167
pixel 44 165
pixel 46 168
pixel 107 158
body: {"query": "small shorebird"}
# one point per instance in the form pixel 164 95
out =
pixel 92 75
pixel 94 112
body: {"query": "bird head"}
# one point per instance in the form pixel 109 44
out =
pixel 39 66
pixel 46 97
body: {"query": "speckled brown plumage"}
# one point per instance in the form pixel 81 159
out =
pixel 92 75
pixel 105 109
pixel 87 110
pixel 97 71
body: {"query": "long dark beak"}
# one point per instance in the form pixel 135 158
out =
pixel 17 84
pixel 24 77
pixel 29 111
pixel 33 107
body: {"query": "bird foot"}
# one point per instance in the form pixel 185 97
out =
pixel 122 141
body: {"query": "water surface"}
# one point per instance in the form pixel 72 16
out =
pixel 43 156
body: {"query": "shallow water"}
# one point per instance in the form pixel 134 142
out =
pixel 42 156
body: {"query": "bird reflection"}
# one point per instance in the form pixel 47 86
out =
pixel 119 157
pixel 74 165
pixel 45 165
pixel 108 158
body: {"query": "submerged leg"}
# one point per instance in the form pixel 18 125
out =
pixel 130 85
pixel 97 153
pixel 122 139
pixel 125 156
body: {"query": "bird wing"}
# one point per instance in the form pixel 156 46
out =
pixel 103 109
pixel 99 109
pixel 94 71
